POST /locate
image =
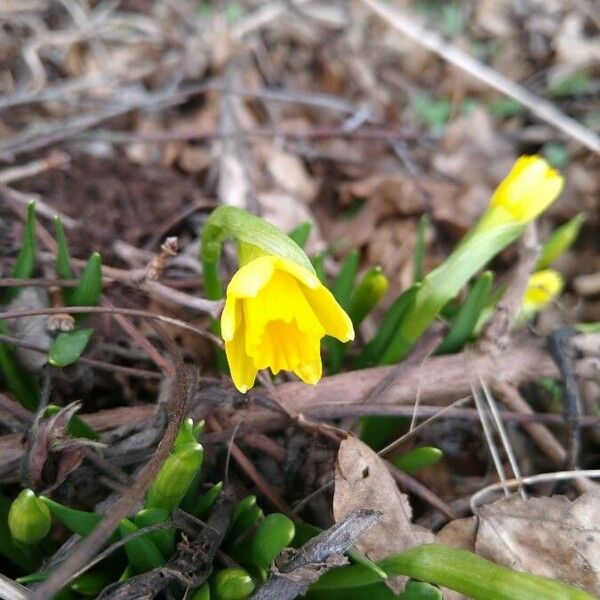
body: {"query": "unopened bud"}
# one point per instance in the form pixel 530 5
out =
pixel 175 477
pixel 29 519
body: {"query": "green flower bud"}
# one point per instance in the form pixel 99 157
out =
pixel 29 519
pixel 232 584
pixel 175 477
pixel 274 533
pixel 367 294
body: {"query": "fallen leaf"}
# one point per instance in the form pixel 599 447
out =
pixel 552 537
pixel 362 480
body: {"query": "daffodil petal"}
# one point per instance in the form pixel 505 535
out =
pixel 243 371
pixel 331 315
pixel 252 278
pixel 229 320
pixel 304 276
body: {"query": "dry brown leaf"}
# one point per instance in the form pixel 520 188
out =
pixel 552 537
pixel 291 175
pixel 362 480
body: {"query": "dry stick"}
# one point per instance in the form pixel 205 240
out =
pixel 97 364
pixel 54 160
pixel 540 434
pixel 182 388
pixel 251 471
pixel 153 288
pixel 530 480
pixel 410 484
pixel 41 207
pixel 127 326
pixel 497 333
pixel 556 346
pixel 541 108
pixel 110 310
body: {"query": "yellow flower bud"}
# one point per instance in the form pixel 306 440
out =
pixel 542 288
pixel 29 518
pixel 530 187
pixel 275 314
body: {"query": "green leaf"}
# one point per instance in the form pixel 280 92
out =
pixel 556 154
pixel 418 459
pixel 89 288
pixel 434 113
pixel 24 386
pixel 417 590
pixel 78 521
pixel 64 270
pixel 202 593
pixel 207 500
pixel 68 346
pixel 468 315
pixel 274 533
pixel 374 349
pixel 90 584
pixel 188 434
pixel 301 233
pixel 245 514
pixel 25 263
pixel 142 553
pixel 506 107
pixel 561 239
pixel 232 583
pixel 576 84
pixel 419 252
pixel 164 540
pixel 344 282
pixel 474 576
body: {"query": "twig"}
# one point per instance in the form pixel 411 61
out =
pixel 541 108
pixel 97 364
pixel 497 333
pixel 110 310
pixel 253 473
pixel 182 389
pixel 153 288
pixel 11 590
pixel 478 497
pixel 54 160
pixel 410 484
pixel 556 346
pixel 316 557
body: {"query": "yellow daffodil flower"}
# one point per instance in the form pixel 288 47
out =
pixel 542 288
pixel 530 187
pixel 275 314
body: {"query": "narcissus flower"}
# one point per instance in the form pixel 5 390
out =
pixel 542 288
pixel 529 188
pixel 275 314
